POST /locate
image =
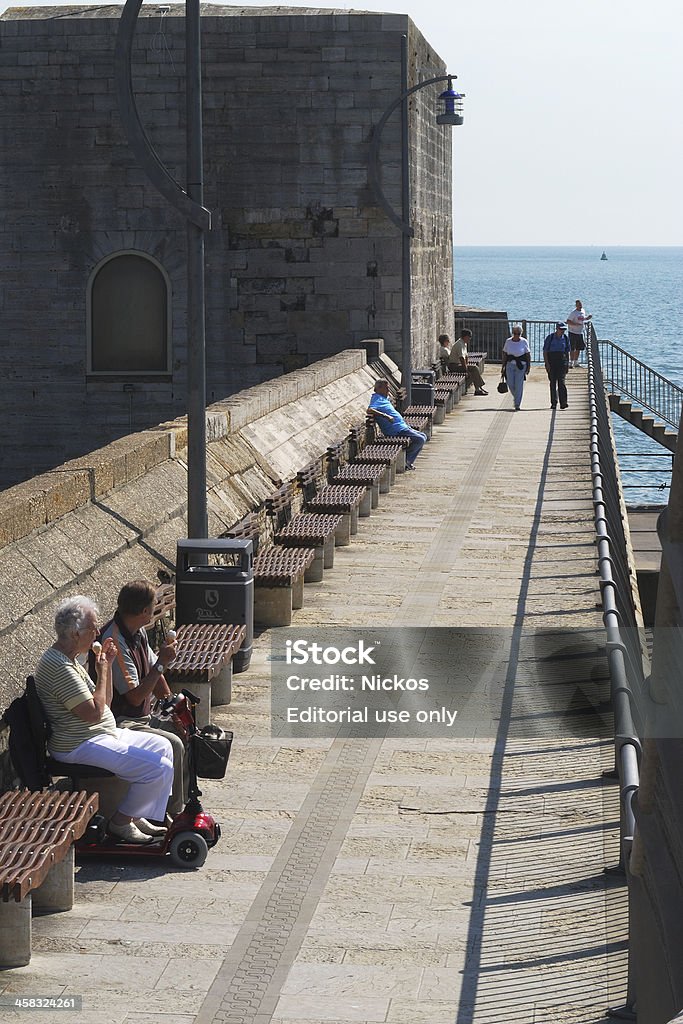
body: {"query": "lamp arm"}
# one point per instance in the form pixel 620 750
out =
pixel 133 128
pixel 373 163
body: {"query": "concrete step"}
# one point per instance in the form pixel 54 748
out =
pixel 644 421
pixel 665 436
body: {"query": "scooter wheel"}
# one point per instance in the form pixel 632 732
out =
pixel 188 850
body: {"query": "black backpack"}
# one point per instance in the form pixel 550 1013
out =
pixel 29 733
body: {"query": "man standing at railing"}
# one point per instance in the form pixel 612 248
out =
pixel 575 322
pixel 555 357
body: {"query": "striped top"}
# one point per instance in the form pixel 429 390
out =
pixel 62 685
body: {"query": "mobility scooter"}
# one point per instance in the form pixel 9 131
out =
pixel 193 832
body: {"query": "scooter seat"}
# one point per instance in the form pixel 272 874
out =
pixel 76 771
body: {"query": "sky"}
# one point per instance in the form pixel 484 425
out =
pixel 572 132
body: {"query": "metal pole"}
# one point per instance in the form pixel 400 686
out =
pixel 402 221
pixel 189 203
pixel 406 300
pixel 197 518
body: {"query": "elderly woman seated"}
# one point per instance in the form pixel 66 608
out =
pixel 84 730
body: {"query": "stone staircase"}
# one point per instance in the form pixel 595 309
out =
pixel 644 421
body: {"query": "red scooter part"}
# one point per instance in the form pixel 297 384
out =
pixel 192 832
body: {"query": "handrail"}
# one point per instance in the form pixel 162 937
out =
pixel 626 375
pixel 635 380
pixel 491 333
pixel 623 646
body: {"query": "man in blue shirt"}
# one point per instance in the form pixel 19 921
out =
pixel 392 424
pixel 556 359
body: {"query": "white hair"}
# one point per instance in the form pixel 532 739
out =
pixel 71 614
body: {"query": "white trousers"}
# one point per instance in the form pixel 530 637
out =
pixel 181 775
pixel 140 758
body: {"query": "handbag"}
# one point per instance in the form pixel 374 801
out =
pixel 502 386
pixel 211 751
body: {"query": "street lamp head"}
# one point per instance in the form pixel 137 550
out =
pixel 452 105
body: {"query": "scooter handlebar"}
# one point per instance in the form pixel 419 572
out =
pixel 191 696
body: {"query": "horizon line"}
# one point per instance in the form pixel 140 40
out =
pixel 554 245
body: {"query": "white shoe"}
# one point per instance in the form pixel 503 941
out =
pixel 129 832
pixel 148 829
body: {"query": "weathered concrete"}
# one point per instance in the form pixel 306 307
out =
pixel 399 880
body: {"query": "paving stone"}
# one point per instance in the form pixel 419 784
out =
pixel 462 876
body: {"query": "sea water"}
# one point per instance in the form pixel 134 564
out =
pixel 636 298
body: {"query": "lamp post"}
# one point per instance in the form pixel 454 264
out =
pixel 190 203
pixel 451 115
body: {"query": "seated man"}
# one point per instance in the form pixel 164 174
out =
pixel 392 424
pixel 459 361
pixel 138 677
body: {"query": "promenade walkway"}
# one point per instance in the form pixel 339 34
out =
pixel 444 881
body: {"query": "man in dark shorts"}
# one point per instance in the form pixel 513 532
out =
pixel 575 321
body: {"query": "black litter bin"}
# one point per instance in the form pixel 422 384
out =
pixel 422 394
pixel 215 584
pixel 424 376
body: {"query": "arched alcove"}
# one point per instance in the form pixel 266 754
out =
pixel 128 312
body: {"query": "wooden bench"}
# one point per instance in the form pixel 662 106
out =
pixel 164 603
pixel 374 438
pixel 349 500
pixel 203 662
pixel 365 474
pixel 37 833
pixel 279 574
pixel 162 615
pixel 454 383
pixel 420 417
pixel 304 529
pixel 384 454
pixel 443 401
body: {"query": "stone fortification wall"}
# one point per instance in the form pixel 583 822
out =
pixel 301 262
pixel 116 513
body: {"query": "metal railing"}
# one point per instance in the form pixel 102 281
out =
pixel 634 380
pixel 624 643
pixel 490 335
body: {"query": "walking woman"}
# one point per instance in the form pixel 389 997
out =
pixel 516 364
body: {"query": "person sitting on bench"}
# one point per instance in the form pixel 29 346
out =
pixel 392 424
pixel 459 361
pixel 84 730
pixel 138 677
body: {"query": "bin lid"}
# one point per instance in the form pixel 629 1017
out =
pixel 215 545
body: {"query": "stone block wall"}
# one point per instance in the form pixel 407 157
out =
pixel 300 263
